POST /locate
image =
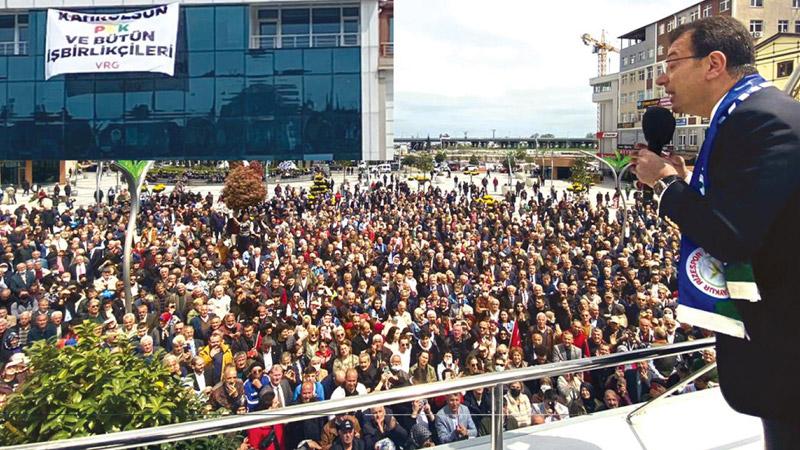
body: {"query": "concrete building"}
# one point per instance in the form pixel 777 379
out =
pixel 605 92
pixel 386 78
pixel 777 57
pixel 263 79
pixel 636 81
pixel 643 51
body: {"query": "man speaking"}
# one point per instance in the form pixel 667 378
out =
pixel 739 216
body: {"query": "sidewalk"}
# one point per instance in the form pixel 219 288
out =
pixel 83 190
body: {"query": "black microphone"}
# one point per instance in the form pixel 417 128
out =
pixel 658 125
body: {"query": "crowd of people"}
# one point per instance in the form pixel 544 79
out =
pixel 383 285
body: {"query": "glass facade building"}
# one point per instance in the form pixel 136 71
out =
pixel 251 82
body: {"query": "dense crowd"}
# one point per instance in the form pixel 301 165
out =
pixel 382 285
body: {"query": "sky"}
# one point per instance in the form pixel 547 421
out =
pixel 516 66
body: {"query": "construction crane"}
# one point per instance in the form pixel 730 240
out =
pixel 601 48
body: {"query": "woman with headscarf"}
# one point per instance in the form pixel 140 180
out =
pixel 586 403
pixel 10 346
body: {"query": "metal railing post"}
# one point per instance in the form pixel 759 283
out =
pixel 497 417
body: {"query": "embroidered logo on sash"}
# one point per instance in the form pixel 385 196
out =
pixel 706 273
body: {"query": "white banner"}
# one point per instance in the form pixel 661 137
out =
pixel 140 41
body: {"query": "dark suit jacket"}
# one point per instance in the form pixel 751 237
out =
pixel 286 390
pixel 207 375
pixel 16 284
pixel 751 213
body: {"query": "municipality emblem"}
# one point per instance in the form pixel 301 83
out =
pixel 706 273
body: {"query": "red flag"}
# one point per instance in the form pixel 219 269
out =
pixel 516 341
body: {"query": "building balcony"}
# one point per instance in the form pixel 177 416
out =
pixel 13 48
pixel 386 60
pixel 305 41
pixel 387 49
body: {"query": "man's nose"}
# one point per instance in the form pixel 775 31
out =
pixel 662 79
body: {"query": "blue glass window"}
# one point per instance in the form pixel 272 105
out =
pixel 346 60
pixel 79 99
pixel 260 97
pixel 318 93
pixel 289 62
pixel 326 20
pixel 3 68
pixel 347 92
pixel 169 98
pixel 294 21
pixel 109 99
pixel 225 100
pixel 229 63
pixel 230 27
pixel 7 24
pixel 20 68
pixel 50 98
pixel 201 64
pixel 138 99
pixel 38 23
pixel 317 60
pixel 230 97
pixel 199 99
pixel 259 64
pixel 20 100
pixel 289 94
pixel 200 27
pixel 288 133
pixel 260 136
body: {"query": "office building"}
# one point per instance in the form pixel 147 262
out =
pixel 262 80
pixel 643 51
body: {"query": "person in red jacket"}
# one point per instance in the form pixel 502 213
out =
pixel 269 437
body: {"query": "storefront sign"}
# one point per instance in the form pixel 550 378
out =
pixel 644 104
pixel 680 121
pixel 140 41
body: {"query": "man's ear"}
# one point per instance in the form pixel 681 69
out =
pixel 718 65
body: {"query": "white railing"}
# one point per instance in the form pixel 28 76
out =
pixel 305 41
pixel 387 49
pixel 492 380
pixel 13 48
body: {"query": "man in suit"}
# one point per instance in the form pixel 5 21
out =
pixel 453 421
pixel 200 378
pixel 22 280
pixel 279 385
pixel 78 268
pixel 750 214
pixel 566 350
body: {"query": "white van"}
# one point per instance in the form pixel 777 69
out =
pixel 384 168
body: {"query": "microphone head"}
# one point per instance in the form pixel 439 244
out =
pixel 658 125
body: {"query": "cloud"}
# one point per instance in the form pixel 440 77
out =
pixel 517 66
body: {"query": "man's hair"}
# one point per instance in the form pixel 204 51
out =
pixel 724 34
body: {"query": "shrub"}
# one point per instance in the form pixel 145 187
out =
pixel 244 187
pixel 88 389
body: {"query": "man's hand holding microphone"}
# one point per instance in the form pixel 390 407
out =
pixel 649 164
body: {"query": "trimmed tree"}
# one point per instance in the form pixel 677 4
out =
pixel 440 157
pixel 89 389
pixel 244 187
pixel 473 160
pixel 425 163
pixel 409 160
pixel 581 174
